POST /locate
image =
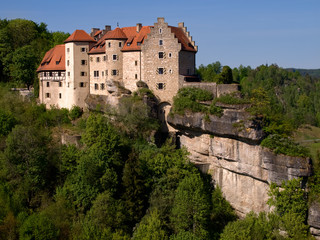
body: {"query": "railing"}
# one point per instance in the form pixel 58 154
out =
pixel 53 78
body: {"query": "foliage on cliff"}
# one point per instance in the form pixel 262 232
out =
pixel 287 221
pixel 114 186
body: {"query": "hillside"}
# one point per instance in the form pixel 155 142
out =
pixel 311 72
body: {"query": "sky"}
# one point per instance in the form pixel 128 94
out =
pixel 234 32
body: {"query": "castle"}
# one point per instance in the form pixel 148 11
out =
pixel 161 56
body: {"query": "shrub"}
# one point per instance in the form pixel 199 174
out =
pixel 214 110
pixel 75 112
pixel 284 145
pixel 188 98
pixel 231 99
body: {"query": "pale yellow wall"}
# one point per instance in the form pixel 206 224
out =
pixel 100 66
pixel 53 89
pixel 114 49
pixel 130 69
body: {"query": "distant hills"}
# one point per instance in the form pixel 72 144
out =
pixel 303 72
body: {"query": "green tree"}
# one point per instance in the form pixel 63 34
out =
pixel 24 62
pixel 191 207
pixel 38 227
pixel 150 228
pixel 7 122
pixel 225 76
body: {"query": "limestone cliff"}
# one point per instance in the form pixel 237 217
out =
pixel 228 148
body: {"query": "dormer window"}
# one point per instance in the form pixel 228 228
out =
pixel 139 44
pixel 128 44
pixel 57 62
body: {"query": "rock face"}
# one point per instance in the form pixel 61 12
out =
pixel 314 219
pixel 228 149
pixel 235 123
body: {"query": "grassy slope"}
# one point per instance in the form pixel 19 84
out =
pixel 309 136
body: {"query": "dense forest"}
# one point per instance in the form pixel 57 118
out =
pixel 116 183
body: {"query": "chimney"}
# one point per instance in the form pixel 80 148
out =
pixel 181 24
pixel 107 28
pixel 93 31
pixel 139 26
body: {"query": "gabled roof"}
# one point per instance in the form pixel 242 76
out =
pixel 79 36
pixel 183 39
pixel 136 39
pixel 116 34
pixel 54 60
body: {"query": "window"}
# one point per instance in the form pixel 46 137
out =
pixel 96 74
pixel 170 55
pixel 98 59
pixel 102 86
pixel 160 70
pixel 114 57
pixel 83 49
pixel 136 63
pixel 47 95
pixel 83 62
pixel 91 59
pixel 82 84
pixel 114 72
pixel 50 74
pixel 96 86
pixel 48 84
pixel 170 71
pixel 104 58
pixel 68 74
pixel 161 86
pixel 161 54
pixel 106 72
pixel 136 76
pixel 120 44
pixel 109 44
pixel 68 50
pixel 60 84
pixel 44 74
pixel 60 95
pixel 59 74
pixel 102 73
pixel 160 30
pixel 82 74
pixel 160 42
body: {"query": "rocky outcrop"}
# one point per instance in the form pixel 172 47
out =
pixel 314 219
pixel 234 123
pixel 228 149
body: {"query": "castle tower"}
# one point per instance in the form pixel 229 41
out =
pixel 77 85
pixel 115 41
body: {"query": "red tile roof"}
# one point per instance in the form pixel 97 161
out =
pixel 116 34
pixel 136 39
pixel 79 36
pixel 183 39
pixel 54 60
pixel 97 33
